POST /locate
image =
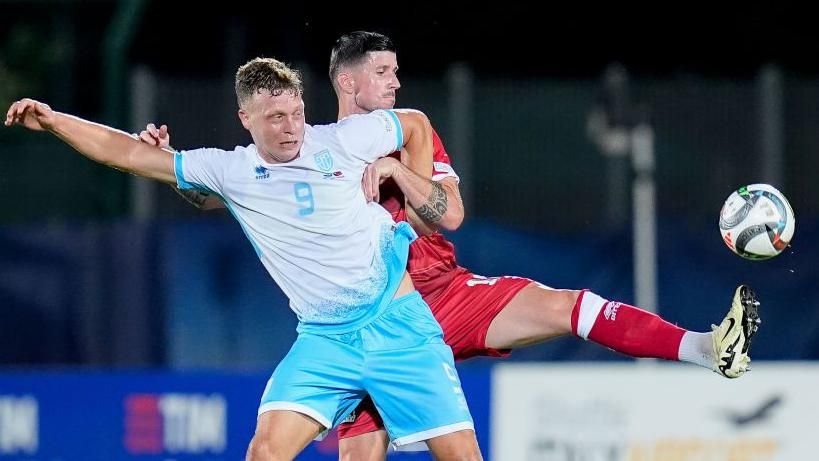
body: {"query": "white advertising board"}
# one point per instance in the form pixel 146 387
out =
pixel 652 411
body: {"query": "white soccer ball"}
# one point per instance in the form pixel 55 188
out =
pixel 757 222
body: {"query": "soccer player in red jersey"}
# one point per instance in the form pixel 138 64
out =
pixel 489 316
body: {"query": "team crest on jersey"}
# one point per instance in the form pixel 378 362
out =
pixel 261 172
pixel 324 161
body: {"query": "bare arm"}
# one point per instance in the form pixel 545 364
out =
pixel 430 203
pixel 443 206
pixel 99 143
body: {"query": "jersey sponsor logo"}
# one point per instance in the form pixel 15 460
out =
pixel 19 425
pixel 261 172
pixel 175 423
pixel 338 174
pixel 324 161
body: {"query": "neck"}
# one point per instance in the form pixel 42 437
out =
pixel 347 107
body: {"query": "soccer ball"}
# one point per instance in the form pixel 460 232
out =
pixel 757 222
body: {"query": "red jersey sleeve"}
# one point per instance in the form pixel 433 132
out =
pixel 441 164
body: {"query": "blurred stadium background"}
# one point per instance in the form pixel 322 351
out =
pixel 133 326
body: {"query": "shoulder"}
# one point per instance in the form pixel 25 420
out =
pixel 319 130
pixel 237 151
pixel 378 116
pixel 318 135
pixel 241 154
pixel 227 159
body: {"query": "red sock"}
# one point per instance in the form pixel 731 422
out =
pixel 626 329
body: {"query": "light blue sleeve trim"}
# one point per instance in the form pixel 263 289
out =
pixel 399 132
pixel 179 172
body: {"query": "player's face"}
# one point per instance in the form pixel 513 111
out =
pixel 276 124
pixel 376 81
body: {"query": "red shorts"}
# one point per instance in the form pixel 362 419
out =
pixel 465 309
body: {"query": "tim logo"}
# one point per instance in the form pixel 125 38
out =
pixel 19 425
pixel 261 172
pixel 324 161
pixel 175 423
pixel 610 313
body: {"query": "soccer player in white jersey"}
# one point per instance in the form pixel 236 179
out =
pixel 341 260
pixel 491 316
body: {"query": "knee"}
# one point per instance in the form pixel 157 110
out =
pixel 569 300
pixel 559 307
pixel 261 449
pixel 467 452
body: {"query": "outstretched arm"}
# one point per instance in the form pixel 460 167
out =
pixel 100 143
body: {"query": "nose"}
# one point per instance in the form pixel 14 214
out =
pixel 289 124
pixel 395 84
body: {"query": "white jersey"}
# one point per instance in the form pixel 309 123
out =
pixel 324 245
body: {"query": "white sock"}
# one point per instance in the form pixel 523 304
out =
pixel 697 348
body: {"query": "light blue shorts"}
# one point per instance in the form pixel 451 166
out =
pixel 400 360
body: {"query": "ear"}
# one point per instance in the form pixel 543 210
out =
pixel 345 82
pixel 245 119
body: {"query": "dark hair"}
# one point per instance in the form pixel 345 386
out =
pixel 351 49
pixel 266 74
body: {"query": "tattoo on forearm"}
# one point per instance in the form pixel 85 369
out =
pixel 436 205
pixel 195 198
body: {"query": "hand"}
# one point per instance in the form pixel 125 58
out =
pixel 156 136
pixel 32 114
pixel 375 174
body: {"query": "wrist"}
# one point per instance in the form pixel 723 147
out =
pixel 397 169
pixel 56 123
